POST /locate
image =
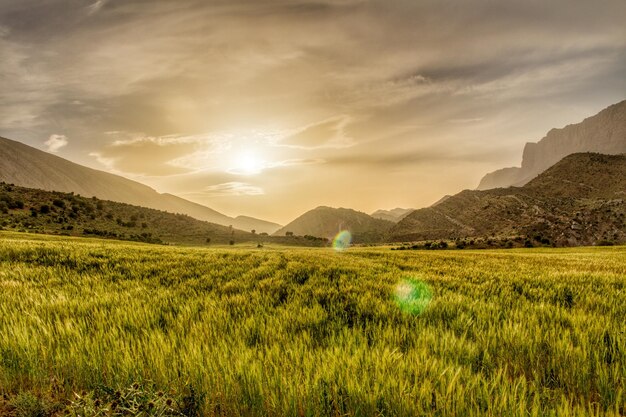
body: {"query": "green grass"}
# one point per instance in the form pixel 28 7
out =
pixel 280 331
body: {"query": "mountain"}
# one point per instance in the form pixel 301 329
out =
pixel 578 201
pixel 326 222
pixel 441 200
pixel 52 212
pixel 603 133
pixel 259 226
pixel 394 215
pixel 29 167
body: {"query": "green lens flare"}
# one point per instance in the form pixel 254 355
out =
pixel 342 241
pixel 412 296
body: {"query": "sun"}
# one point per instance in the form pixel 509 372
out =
pixel 246 163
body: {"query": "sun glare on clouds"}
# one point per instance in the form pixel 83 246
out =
pixel 245 162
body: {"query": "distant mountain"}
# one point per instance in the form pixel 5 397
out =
pixel 259 226
pixel 326 222
pixel 603 133
pixel 394 215
pixel 29 167
pixel 578 201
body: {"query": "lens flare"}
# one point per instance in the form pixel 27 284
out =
pixel 342 241
pixel 412 296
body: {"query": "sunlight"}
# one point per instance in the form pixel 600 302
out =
pixel 246 163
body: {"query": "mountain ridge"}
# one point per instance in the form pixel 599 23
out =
pixel 326 222
pixel 579 200
pixel 604 132
pixel 26 166
pixel 393 215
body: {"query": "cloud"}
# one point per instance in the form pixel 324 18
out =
pixel 296 162
pixel 358 87
pixel 233 188
pixel 416 157
pixel 329 133
pixel 55 142
pixel 153 156
pixel 95 7
pixel 466 120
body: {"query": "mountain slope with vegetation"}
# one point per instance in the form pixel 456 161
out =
pixel 326 222
pixel 51 212
pixel 26 166
pixel 603 133
pixel 578 201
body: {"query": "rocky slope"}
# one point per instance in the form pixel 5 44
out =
pixel 29 167
pixel 603 133
pixel 326 222
pixel 578 201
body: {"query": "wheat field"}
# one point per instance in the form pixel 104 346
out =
pixel 94 327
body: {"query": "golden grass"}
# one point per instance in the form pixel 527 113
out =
pixel 311 332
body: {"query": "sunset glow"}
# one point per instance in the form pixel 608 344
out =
pixel 246 163
pixel 399 102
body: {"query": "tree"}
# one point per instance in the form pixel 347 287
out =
pixel 288 233
pixel 253 232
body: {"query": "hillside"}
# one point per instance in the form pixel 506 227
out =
pixel 326 222
pixel 578 201
pixel 603 133
pixel 52 212
pixel 393 215
pixel 29 167
pixel 248 224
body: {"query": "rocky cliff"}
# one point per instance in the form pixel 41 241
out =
pixel 603 133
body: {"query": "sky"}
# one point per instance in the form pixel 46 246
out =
pixel 271 108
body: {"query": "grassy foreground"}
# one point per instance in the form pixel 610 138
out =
pixel 281 332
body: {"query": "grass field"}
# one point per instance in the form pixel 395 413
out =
pixel 311 332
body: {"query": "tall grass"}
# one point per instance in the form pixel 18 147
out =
pixel 311 332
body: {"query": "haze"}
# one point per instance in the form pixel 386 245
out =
pixel 271 108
